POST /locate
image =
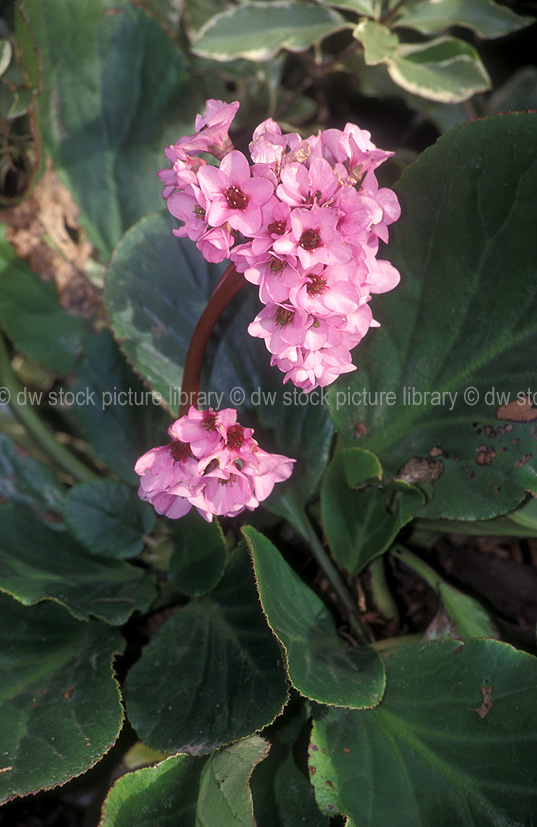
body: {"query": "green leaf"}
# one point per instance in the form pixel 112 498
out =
pixel 113 81
pixel 526 516
pixel 29 311
pixel 118 415
pixel 37 563
pixel 485 17
pixel 446 69
pixel 197 13
pixel 166 795
pixel 378 41
pixel 319 664
pixel 456 325
pixel 25 481
pixel 211 674
pixel 360 6
pixel 283 796
pixel 258 30
pixel 60 706
pixel 108 518
pixel 200 555
pixel 156 289
pixel 224 797
pixel 452 742
pixel 6 52
pixel 187 790
pixel 362 523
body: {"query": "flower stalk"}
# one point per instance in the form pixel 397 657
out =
pixel 229 285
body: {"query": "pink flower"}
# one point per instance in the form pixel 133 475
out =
pixel 212 130
pixel 313 238
pixel 213 464
pixel 302 221
pixel 233 196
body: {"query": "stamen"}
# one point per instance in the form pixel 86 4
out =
pixel 235 436
pixel 236 199
pixel 283 316
pixel 310 239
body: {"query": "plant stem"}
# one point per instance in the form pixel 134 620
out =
pixel 300 522
pixel 35 426
pixel 382 594
pixel 228 286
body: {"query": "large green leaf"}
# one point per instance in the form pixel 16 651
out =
pixel 362 522
pixel 118 415
pixel 258 30
pixel 200 554
pixel 25 481
pixel 452 742
pixel 112 82
pixel 108 518
pixel 29 311
pixel 485 17
pixel 211 674
pixel 188 791
pixel 60 706
pixel 37 563
pixel 457 335
pixel 157 287
pixel 319 664
pixel 224 797
pixel 166 795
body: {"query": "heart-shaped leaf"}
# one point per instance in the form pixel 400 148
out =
pixel 211 674
pixel 452 742
pixel 60 706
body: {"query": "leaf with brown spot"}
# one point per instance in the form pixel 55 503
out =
pixel 420 470
pixel 521 409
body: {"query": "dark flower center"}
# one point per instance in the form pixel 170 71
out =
pixel 179 450
pixel 209 421
pixel 277 227
pixel 310 239
pixel 235 436
pixel 316 286
pixel 276 265
pixel 236 199
pixel 283 316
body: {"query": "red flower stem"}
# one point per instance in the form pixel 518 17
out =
pixel 228 286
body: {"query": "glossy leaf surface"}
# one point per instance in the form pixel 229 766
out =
pixel 319 664
pixel 211 674
pixel 455 337
pixel 37 563
pixel 60 706
pixel 435 750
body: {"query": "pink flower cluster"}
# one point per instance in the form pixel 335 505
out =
pixel 302 222
pixel 213 464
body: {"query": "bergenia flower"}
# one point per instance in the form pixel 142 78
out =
pixel 212 464
pixel 302 221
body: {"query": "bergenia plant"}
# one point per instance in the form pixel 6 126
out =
pixel 302 222
pixel 267 537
